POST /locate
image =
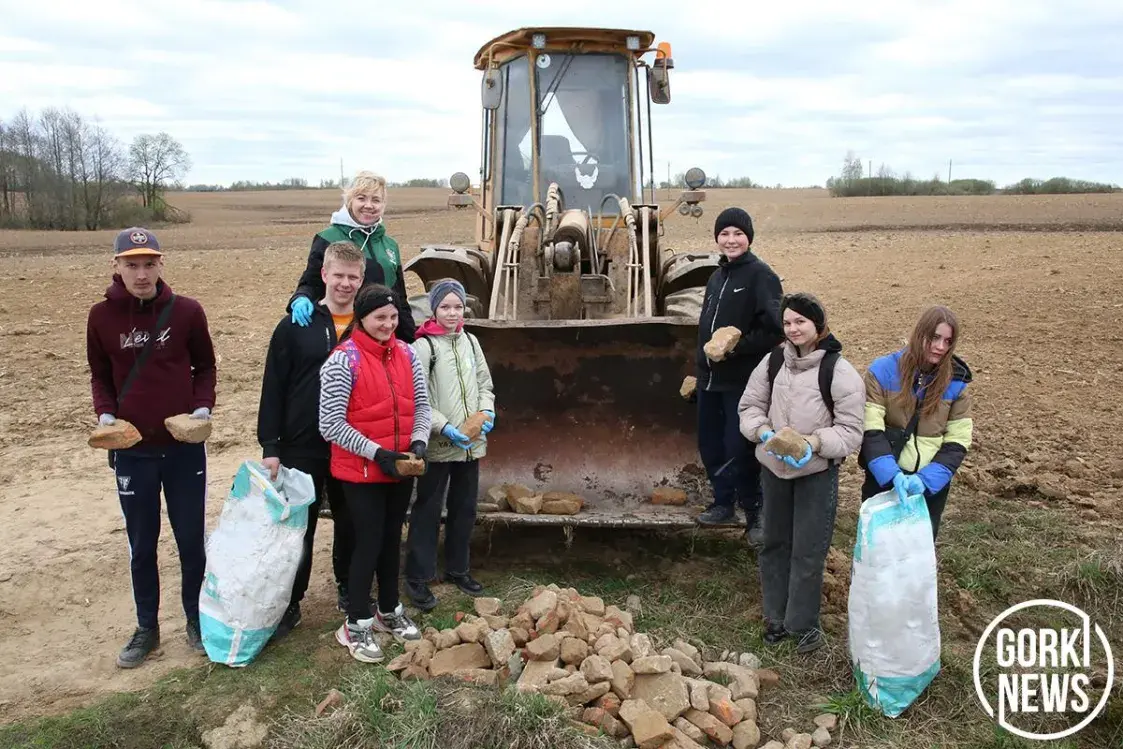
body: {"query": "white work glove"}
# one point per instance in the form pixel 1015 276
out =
pixel 201 413
pixel 106 420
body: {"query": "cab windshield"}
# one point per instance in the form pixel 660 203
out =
pixel 582 110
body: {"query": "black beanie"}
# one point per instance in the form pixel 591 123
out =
pixel 737 217
pixel 371 298
pixel 807 305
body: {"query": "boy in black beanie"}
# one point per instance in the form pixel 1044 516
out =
pixel 743 293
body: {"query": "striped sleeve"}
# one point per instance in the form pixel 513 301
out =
pixel 335 394
pixel 422 416
pixel 876 450
pixel 956 442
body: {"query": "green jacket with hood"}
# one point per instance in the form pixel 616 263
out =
pixel 459 385
pixel 384 264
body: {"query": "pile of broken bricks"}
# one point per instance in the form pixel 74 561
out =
pixel 586 656
pixel 523 500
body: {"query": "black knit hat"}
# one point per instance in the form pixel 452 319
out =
pixel 372 297
pixel 807 305
pixel 737 217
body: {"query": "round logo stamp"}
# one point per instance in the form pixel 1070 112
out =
pixel 1043 671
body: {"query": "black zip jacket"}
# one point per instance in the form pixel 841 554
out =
pixel 311 285
pixel 288 415
pixel 744 293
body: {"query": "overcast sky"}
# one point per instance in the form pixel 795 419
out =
pixel 269 89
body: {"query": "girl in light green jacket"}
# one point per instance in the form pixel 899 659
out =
pixel 459 388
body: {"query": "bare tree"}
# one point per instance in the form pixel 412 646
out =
pixel 25 145
pixel 7 178
pixel 154 162
pixel 102 175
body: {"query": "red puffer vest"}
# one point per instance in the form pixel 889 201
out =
pixel 381 406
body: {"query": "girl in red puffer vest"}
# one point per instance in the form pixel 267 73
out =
pixel 374 406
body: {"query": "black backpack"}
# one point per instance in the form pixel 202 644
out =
pixel 826 374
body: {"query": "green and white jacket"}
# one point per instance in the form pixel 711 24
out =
pixel 459 385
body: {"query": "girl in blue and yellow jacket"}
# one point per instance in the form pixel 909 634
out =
pixel 917 436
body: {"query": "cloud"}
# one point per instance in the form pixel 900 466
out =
pixel 270 89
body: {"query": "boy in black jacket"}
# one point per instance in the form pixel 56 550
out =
pixel 743 293
pixel 288 415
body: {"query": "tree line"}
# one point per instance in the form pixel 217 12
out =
pixel 299 183
pixel 856 179
pixel 59 170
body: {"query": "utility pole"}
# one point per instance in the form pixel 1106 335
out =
pixel 341 184
pixel 949 176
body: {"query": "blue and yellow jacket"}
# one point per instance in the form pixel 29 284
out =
pixel 941 439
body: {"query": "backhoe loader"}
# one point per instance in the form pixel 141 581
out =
pixel 588 323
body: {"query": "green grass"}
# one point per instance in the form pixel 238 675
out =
pixel 701 587
pixel 379 710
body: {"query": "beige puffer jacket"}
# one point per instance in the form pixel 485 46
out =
pixel 459 386
pixel 795 402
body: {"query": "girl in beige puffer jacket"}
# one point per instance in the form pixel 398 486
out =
pixel 800 495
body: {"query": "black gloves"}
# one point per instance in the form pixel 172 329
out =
pixel 386 459
pixel 418 448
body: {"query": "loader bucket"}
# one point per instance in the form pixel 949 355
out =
pixel 592 407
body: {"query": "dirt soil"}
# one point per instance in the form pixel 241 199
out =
pixel 1035 280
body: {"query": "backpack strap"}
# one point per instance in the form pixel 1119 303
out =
pixel 775 362
pixel 432 355
pixel 826 379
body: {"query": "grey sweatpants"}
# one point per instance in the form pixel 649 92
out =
pixel 798 522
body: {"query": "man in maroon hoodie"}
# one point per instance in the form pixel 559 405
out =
pixel 175 376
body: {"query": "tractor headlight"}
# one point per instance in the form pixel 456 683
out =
pixel 538 41
pixel 695 178
pixel 633 43
pixel 459 182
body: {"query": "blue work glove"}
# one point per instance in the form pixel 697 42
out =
pixel 490 423
pixel 302 311
pixel 908 485
pixel 802 461
pixel 201 413
pixel 458 438
pixel 767 436
pixel 106 420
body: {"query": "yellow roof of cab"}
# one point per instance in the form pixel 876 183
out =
pixel 513 42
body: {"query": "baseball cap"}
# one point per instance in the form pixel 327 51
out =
pixel 136 240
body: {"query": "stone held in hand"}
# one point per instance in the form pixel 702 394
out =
pixel 186 429
pixel 722 342
pixel 689 386
pixel 411 466
pixel 472 427
pixel 120 435
pixel 789 442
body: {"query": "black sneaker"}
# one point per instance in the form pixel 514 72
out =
pixel 342 602
pixel 421 596
pixel 717 514
pixel 465 583
pixel 140 646
pixel 774 633
pixel 288 622
pixel 195 636
pixel 810 641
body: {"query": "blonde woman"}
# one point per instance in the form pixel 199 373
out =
pixel 360 222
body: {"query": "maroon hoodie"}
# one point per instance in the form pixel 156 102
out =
pixel 179 375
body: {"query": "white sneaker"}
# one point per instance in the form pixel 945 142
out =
pixel 397 624
pixel 360 640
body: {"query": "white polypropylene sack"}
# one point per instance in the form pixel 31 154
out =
pixel 894 623
pixel 252 557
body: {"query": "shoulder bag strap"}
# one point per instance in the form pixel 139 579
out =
pixel 161 321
